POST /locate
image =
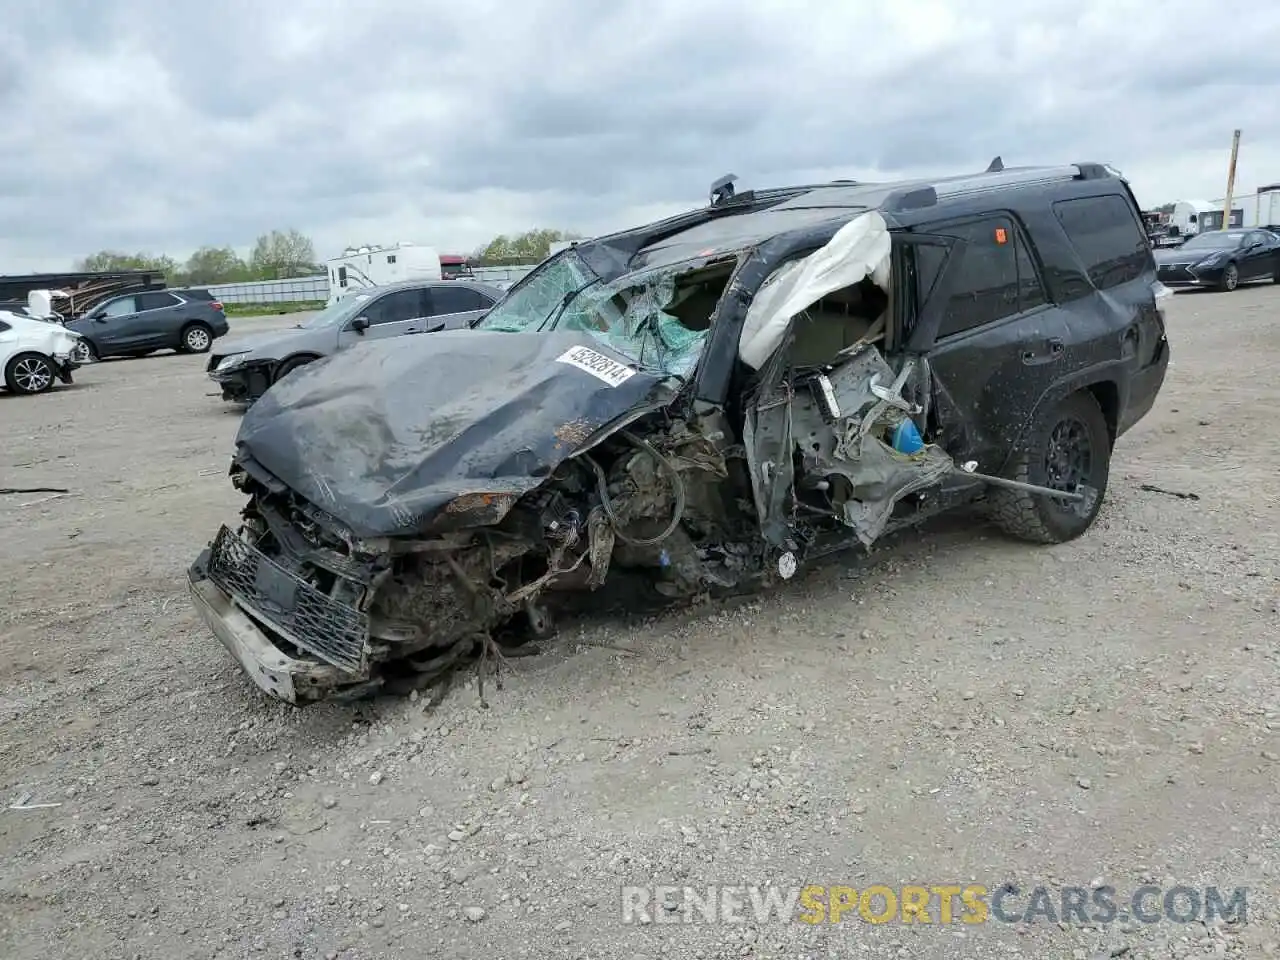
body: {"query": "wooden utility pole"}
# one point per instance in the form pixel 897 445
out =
pixel 1231 180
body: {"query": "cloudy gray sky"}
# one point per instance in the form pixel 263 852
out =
pixel 160 126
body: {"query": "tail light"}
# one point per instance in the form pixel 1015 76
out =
pixel 216 304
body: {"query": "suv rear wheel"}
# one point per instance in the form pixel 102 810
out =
pixel 1069 445
pixel 196 338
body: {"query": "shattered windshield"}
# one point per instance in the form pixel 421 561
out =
pixel 659 319
pixel 540 297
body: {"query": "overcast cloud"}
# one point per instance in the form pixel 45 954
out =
pixel 161 126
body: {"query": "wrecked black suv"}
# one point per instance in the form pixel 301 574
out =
pixel 702 403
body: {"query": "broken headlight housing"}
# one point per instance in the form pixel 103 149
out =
pixel 230 362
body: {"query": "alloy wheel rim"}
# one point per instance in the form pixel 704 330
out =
pixel 1069 461
pixel 197 339
pixel 32 375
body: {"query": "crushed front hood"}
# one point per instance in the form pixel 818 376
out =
pixel 382 436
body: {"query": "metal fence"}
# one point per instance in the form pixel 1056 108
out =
pixel 308 289
pixel 296 290
pixel 501 276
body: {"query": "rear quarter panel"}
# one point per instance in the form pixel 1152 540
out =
pixel 1115 337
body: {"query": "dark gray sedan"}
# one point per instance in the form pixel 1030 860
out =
pixel 246 366
pixel 1222 259
pixel 137 324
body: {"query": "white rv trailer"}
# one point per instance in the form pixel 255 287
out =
pixel 370 266
pixel 1260 209
pixel 1189 217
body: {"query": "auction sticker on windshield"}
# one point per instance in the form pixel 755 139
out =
pixel 598 365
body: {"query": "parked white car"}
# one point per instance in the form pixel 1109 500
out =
pixel 34 353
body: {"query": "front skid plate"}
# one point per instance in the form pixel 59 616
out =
pixel 280 676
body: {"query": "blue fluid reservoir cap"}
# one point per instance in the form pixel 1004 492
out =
pixel 906 438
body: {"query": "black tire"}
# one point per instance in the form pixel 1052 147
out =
pixel 1043 461
pixel 85 352
pixel 195 338
pixel 29 373
pixel 289 366
pixel 1275 271
pixel 1230 277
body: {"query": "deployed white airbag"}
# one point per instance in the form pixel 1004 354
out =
pixel 859 248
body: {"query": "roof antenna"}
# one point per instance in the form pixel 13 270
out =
pixel 722 190
pixel 995 166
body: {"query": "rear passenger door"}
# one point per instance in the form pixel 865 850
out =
pixel 159 319
pixel 1108 300
pixel 454 307
pixel 999 343
pixel 1261 254
pixel 116 327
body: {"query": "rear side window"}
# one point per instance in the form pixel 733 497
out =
pixel 397 307
pixel 118 308
pixel 1108 238
pixel 448 300
pixel 996 279
pixel 156 301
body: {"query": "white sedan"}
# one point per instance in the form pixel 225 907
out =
pixel 34 353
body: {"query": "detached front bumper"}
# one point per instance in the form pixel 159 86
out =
pixel 63 365
pixel 273 670
pixel 242 384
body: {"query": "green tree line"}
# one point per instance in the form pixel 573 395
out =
pixel 530 246
pixel 282 254
pixel 277 255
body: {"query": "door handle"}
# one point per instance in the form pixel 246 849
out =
pixel 1053 349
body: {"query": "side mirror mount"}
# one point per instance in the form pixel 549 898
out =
pixel 98 317
pixel 360 324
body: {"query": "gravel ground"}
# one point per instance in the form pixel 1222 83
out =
pixel 956 708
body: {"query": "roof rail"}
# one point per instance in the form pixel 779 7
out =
pixel 749 198
pixel 722 190
pixel 1016 177
pixel 911 198
pixel 1095 171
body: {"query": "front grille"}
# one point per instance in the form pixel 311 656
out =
pixel 303 615
pixel 1176 271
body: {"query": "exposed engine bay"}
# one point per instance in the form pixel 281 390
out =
pixel 661 505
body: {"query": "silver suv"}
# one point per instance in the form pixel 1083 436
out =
pixel 245 367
